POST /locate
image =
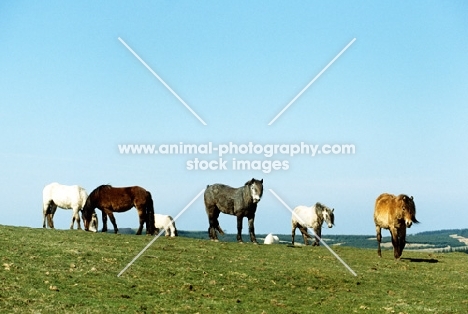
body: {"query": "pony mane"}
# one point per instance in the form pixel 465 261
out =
pixel 102 187
pixel 319 207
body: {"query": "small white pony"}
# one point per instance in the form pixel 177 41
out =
pixel 165 222
pixel 94 224
pixel 271 239
pixel 67 197
pixel 311 217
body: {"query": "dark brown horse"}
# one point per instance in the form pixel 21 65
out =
pixel 112 200
pixel 395 213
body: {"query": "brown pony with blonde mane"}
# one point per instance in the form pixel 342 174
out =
pixel 112 200
pixel 395 213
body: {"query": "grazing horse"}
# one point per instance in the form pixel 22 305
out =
pixel 395 213
pixel 112 200
pixel 240 202
pixel 67 197
pixel 271 239
pixel 311 217
pixel 167 223
pixel 94 224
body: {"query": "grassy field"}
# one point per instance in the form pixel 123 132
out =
pixel 70 271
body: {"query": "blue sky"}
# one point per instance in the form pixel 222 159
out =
pixel 71 93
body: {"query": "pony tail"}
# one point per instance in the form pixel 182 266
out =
pixel 149 214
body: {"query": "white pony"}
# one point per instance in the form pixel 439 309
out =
pixel 271 239
pixel 165 222
pixel 67 197
pixel 311 217
pixel 94 224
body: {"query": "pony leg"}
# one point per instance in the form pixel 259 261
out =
pixel 239 229
pixel 293 233
pixel 114 223
pixel 141 217
pixel 252 229
pixel 50 221
pixel 50 215
pixel 402 240
pixel 45 214
pixel 318 233
pixel 305 235
pixel 78 220
pixel 148 213
pixel 212 230
pixel 76 217
pixel 379 239
pixel 213 214
pixel 396 243
pixel 104 221
pixel 214 225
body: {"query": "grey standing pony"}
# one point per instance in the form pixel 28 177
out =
pixel 240 202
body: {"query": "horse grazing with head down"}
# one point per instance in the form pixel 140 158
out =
pixel 311 217
pixel 167 223
pixel 94 224
pixel 64 196
pixel 240 202
pixel 395 213
pixel 112 200
pixel 271 239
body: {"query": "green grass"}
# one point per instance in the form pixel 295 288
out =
pixel 69 271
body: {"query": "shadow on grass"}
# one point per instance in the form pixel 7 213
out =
pixel 420 260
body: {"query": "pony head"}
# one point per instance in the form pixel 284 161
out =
pixel 256 189
pixel 87 213
pixel 328 215
pixel 408 209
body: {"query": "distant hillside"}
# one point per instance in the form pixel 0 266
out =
pixel 440 240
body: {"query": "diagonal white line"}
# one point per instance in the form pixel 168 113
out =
pixel 320 239
pixel 162 81
pixel 311 82
pixel 156 237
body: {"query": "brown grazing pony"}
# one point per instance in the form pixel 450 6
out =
pixel 109 200
pixel 395 213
